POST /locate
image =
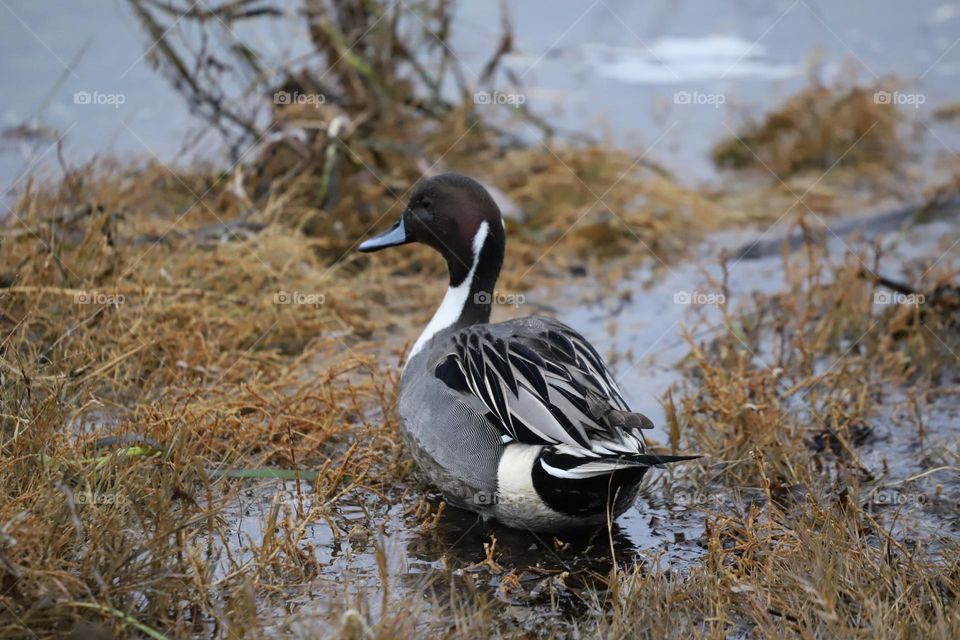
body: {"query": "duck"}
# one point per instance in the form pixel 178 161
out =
pixel 519 421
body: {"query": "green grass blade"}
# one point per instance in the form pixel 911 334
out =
pixel 153 633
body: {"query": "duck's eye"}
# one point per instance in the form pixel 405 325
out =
pixel 426 203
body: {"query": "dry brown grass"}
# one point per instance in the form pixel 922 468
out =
pixel 819 128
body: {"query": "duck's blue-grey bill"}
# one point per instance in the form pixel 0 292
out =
pixel 395 235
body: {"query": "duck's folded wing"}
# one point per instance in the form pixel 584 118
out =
pixel 543 383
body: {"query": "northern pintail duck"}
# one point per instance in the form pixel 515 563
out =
pixel 521 420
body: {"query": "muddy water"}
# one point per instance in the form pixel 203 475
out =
pixel 542 578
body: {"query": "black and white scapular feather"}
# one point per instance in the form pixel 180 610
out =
pixel 520 421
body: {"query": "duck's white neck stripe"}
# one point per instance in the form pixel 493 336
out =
pixel 456 298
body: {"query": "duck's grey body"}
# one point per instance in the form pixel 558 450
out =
pixel 456 446
pixel 520 421
pixel 483 457
pixel 452 444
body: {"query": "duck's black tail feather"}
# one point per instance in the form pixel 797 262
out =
pixel 564 465
pixel 653 459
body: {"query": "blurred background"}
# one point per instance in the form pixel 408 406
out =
pixel 608 69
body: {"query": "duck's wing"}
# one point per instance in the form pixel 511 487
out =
pixel 541 382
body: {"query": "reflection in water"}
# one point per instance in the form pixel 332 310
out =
pixel 460 536
pixel 537 575
pixel 543 574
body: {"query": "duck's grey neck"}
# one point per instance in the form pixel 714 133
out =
pixel 470 295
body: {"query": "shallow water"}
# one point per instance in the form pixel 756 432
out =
pixel 428 559
pixel 917 495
